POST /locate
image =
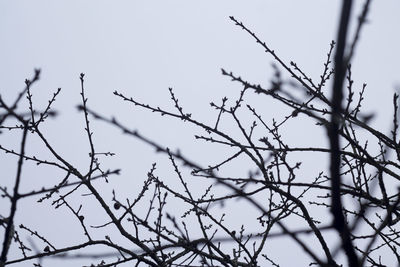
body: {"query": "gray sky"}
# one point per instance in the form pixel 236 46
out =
pixel 141 48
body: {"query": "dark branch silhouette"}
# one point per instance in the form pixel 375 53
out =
pixel 352 209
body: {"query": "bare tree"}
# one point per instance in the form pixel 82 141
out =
pixel 359 191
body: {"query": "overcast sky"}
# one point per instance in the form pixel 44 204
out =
pixel 141 48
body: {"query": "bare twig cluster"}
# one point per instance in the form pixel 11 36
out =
pixel 359 191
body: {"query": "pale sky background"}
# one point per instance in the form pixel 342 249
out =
pixel 141 48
